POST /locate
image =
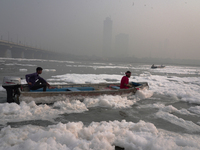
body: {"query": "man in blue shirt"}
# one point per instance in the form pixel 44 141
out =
pixel 35 81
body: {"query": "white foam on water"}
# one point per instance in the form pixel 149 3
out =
pixel 58 61
pixel 104 67
pixel 188 125
pixel 99 63
pixel 97 136
pixel 171 109
pixel 28 110
pixel 86 78
pixel 12 112
pixel 67 106
pixel 23 70
pixel 19 59
pixel 49 70
pixel 16 64
pixel 109 101
pixel 177 70
pixel 168 108
pixel 144 94
pixel 184 89
pixel 195 109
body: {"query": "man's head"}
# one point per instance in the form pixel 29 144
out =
pixel 39 70
pixel 128 73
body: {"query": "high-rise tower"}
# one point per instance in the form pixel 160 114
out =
pixel 107 37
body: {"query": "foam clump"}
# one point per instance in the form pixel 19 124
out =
pixel 108 101
pixel 70 107
pixel 143 94
pixel 195 109
pixel 179 88
pixel 62 104
pixel 12 112
pixel 96 136
pixel 187 125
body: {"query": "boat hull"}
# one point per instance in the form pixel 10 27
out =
pixel 99 89
pixel 77 93
pixel 154 67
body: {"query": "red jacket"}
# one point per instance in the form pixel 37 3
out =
pixel 124 80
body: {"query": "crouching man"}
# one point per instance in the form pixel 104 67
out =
pixel 36 82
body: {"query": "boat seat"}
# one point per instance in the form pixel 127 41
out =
pixel 85 88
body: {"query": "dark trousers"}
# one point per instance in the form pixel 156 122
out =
pixel 39 84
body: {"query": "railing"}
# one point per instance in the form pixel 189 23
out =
pixel 12 44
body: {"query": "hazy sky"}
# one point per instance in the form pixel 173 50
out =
pixel 156 28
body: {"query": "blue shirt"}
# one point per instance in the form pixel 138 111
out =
pixel 32 78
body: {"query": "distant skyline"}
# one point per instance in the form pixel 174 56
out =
pixel 156 28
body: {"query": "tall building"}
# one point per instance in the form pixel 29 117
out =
pixel 107 37
pixel 121 45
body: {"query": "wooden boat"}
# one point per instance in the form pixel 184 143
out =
pixel 154 67
pixel 19 92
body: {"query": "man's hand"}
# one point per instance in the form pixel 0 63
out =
pixel 50 87
pixel 48 84
pixel 30 83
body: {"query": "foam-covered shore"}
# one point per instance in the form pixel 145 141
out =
pixel 97 136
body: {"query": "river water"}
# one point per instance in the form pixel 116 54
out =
pixel 167 116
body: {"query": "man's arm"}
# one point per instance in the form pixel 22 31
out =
pixel 126 83
pixel 28 76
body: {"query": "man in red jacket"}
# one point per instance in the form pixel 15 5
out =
pixel 125 81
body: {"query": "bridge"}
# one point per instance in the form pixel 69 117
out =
pixel 22 51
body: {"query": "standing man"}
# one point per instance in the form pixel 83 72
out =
pixel 125 81
pixel 35 81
